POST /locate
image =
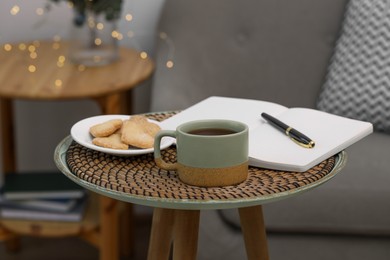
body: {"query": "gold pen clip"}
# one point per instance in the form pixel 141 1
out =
pixel 309 145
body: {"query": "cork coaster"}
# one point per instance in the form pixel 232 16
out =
pixel 139 175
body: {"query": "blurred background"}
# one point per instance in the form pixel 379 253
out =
pixel 22 21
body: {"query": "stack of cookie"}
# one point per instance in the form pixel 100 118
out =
pixel 136 132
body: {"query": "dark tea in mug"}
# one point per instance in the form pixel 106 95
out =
pixel 212 131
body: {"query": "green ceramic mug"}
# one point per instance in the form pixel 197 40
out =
pixel 209 152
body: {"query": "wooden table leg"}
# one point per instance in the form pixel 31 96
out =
pixel 8 151
pixel 253 229
pixel 128 103
pixel 109 229
pixel 186 230
pixel 161 234
pixel 7 136
pixel 127 226
pixel 118 104
pixel 114 104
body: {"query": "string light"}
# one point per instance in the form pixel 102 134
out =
pixel 164 36
pixel 114 34
pixel 98 41
pixel 81 68
pixel 143 55
pixel 91 22
pixel 56 45
pixel 39 11
pixel 100 26
pixel 169 64
pixel 61 61
pixel 58 83
pixel 22 46
pixel 129 17
pixel 32 48
pixel 61 58
pixel 33 55
pixel 36 43
pixel 57 38
pixel 97 59
pixel 15 10
pixel 32 68
pixel 7 47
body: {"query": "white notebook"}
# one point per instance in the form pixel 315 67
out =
pixel 271 148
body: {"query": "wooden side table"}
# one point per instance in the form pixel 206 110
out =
pixel 41 71
pixel 177 206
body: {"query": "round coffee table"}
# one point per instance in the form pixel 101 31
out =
pixel 176 205
pixel 42 71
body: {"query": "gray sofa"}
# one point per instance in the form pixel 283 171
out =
pixel 278 51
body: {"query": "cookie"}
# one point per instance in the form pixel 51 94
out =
pixel 149 127
pixel 106 129
pixel 113 141
pixel 139 119
pixel 138 133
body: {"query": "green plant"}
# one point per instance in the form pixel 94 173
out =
pixel 110 8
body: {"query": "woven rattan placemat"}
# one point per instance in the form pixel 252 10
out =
pixel 139 175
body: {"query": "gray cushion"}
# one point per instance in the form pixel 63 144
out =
pixel 358 82
pixel 221 243
pixel 356 201
pixel 270 50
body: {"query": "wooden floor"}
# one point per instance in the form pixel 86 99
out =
pixel 73 248
pixel 281 247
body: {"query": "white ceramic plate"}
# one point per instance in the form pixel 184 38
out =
pixel 80 133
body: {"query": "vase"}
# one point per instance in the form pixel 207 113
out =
pixel 92 39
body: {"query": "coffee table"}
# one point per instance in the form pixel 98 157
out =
pixel 41 71
pixel 176 205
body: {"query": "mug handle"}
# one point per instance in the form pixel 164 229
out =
pixel 157 152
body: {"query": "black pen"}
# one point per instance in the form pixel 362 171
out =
pixel 295 135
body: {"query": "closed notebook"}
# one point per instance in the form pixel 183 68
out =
pixel 76 213
pixel 40 186
pixel 57 205
pixel 271 148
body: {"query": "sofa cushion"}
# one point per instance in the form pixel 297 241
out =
pixel 358 81
pixel 269 50
pixel 356 201
pixel 218 242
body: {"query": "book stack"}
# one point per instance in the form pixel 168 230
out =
pixel 42 196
